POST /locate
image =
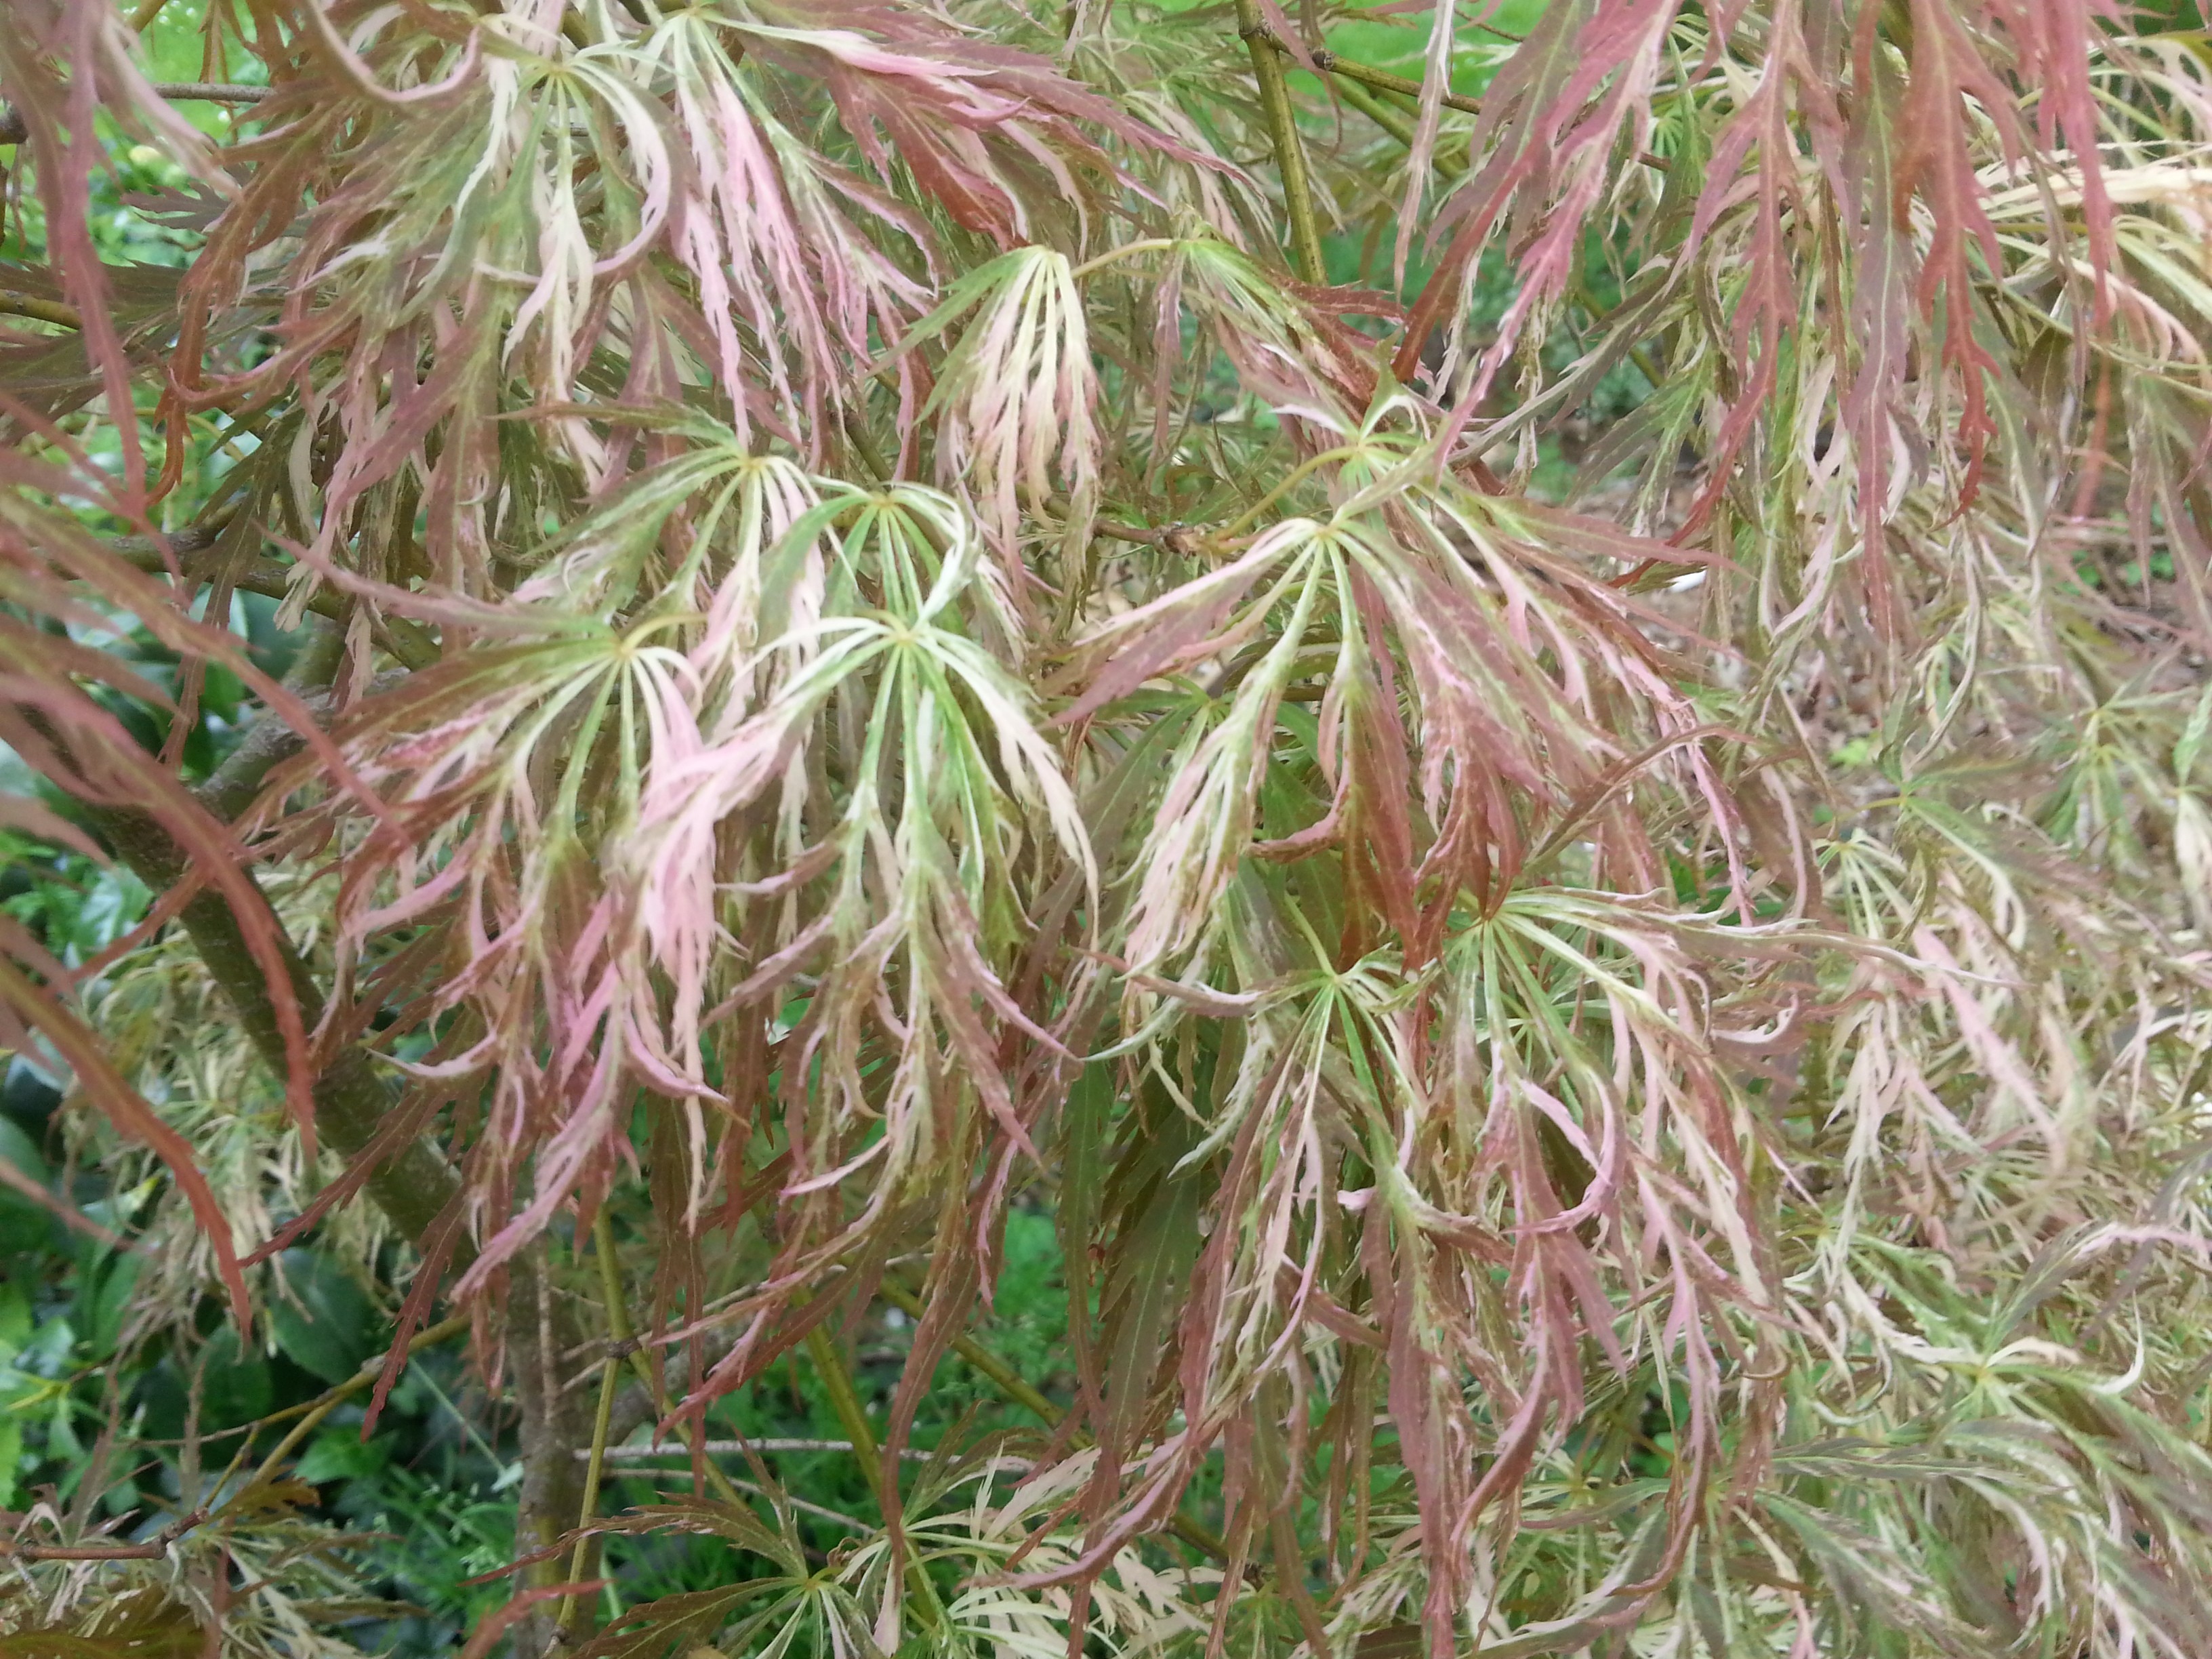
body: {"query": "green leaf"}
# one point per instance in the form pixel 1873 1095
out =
pixel 20 1150
pixel 1148 1271
pixel 16 1320
pixel 235 1386
pixel 11 1457
pixel 103 1301
pixel 323 1322
pixel 342 1454
pixel 25 1224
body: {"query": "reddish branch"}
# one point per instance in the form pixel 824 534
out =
pixel 152 1550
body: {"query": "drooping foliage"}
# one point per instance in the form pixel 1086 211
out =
pixel 1530 739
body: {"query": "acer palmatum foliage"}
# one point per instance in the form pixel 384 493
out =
pixel 1620 1067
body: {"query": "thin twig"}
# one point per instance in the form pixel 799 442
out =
pixel 210 92
pixel 637 1454
pixel 838 1516
pixel 603 1245
pixel 1381 79
pixel 1008 1380
pixel 14 129
pixel 152 1550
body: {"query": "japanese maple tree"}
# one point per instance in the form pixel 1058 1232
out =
pixel 1530 737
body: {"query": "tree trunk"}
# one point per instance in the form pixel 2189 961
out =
pixel 413 1187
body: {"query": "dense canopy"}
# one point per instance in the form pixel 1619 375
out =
pixel 1481 732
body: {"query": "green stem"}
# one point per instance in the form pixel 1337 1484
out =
pixel 1150 245
pixel 1381 79
pixel 845 1402
pixel 1283 130
pixel 1390 120
pixel 1296 475
pixel 1008 1380
pixel 603 1245
pixel 42 311
pixel 625 1342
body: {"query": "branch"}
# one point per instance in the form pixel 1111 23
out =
pixel 637 1454
pixel 1283 131
pixel 351 1098
pixel 14 129
pixel 13 304
pixel 603 1246
pixel 1385 116
pixel 1381 79
pixel 231 787
pixel 152 1550
pixel 1184 540
pixel 408 641
pixel 266 577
